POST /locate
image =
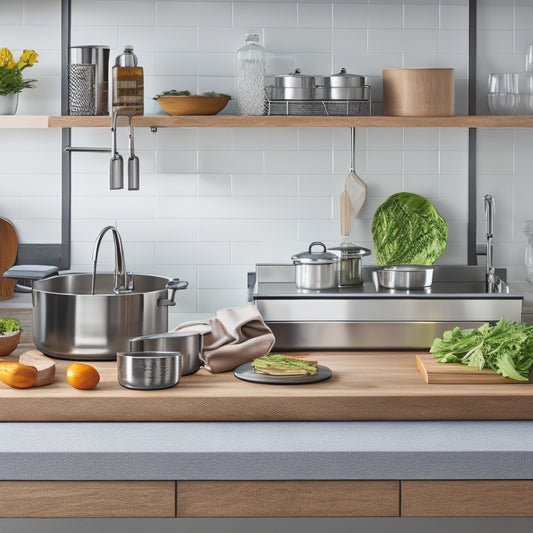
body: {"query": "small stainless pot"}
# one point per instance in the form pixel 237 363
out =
pixel 349 265
pixel 189 344
pixel 149 370
pixel 405 276
pixel 315 270
pixel 294 86
pixel 344 86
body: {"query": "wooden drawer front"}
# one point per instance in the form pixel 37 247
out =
pixel 467 498
pixel 287 498
pixel 86 499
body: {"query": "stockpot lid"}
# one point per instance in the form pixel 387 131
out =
pixel 317 258
pixel 343 79
pixel 350 251
pixel 295 79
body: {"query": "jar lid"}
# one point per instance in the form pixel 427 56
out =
pixel 295 79
pixel 318 258
pixel 343 79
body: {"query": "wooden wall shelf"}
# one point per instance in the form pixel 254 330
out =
pixel 233 121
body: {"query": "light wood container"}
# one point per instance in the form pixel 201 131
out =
pixel 418 92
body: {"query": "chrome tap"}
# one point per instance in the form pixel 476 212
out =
pixel 123 279
pixel 491 271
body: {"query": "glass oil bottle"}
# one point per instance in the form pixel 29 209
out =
pixel 128 84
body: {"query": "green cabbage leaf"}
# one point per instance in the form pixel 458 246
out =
pixel 506 348
pixel 408 230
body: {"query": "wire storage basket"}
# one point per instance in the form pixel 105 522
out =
pixel 320 107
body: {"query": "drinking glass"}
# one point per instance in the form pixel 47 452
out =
pixel 503 96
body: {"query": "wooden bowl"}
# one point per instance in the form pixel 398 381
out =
pixel 193 105
pixel 9 342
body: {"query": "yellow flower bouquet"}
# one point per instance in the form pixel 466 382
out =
pixel 11 80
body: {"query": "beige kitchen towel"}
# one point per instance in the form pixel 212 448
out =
pixel 232 337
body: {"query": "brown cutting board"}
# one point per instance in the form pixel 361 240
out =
pixel 450 373
pixel 8 255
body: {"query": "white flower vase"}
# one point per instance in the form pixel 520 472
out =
pixel 9 104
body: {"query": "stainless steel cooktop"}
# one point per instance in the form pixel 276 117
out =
pixel 369 316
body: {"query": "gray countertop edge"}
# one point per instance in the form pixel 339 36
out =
pixel 266 450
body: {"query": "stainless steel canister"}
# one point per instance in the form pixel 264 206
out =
pixel 189 344
pixel 349 265
pixel 149 370
pixel 315 270
pixel 294 86
pixel 345 86
pixel 88 87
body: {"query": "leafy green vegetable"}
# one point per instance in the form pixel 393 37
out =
pixel 8 325
pixel 175 92
pixel 408 230
pixel 506 348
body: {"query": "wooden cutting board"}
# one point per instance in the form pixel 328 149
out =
pixel 435 372
pixel 8 255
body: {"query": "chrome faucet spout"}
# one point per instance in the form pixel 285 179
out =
pixel 489 213
pixel 123 281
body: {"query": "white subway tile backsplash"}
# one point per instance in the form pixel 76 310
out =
pixel 261 185
pixel 421 16
pixel 229 276
pixel 214 202
pixel 236 161
pixel 177 162
pixel 315 15
pixel 312 162
pixel 389 15
pixel 116 12
pixel 255 15
pixel 297 40
pixel 269 230
pixel 192 253
pixel 221 298
pixel 350 15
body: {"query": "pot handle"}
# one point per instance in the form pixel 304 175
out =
pixel 173 285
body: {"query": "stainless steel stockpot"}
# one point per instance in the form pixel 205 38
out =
pixel 293 86
pixel 189 344
pixel 349 265
pixel 71 323
pixel 149 370
pixel 315 270
pixel 344 86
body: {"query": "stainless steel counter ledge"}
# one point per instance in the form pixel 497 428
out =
pixel 267 450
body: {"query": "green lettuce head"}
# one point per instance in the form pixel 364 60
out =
pixel 408 230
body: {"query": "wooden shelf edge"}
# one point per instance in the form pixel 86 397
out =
pixel 233 121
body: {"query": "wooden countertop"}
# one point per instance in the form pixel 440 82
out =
pixel 364 386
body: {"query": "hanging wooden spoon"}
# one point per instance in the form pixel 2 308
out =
pixel 353 184
pixel 346 214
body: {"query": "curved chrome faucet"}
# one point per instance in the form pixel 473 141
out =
pixel 123 279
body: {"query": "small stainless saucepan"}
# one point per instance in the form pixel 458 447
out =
pixel 405 276
pixel 149 370
pixel 189 344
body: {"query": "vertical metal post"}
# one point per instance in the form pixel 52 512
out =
pixel 65 137
pixel 472 132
